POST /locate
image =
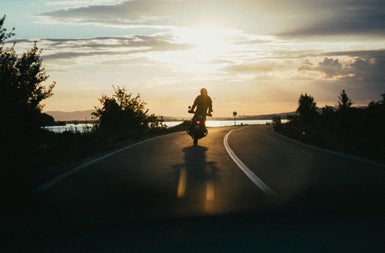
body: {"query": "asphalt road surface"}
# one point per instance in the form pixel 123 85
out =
pixel 242 189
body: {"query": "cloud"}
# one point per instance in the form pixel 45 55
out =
pixel 367 69
pixel 361 66
pixel 253 67
pixel 128 13
pixel 275 17
pixel 62 49
pixel 343 17
pixel 170 13
pixel 331 67
pixel 82 3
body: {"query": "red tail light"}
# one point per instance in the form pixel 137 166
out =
pixel 198 122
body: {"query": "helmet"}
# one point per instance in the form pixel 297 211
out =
pixel 204 91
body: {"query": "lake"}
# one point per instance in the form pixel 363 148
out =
pixel 222 123
pixel 210 123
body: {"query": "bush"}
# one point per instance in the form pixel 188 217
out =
pixel 348 129
pixel 124 115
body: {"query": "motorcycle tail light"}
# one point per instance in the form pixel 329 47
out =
pixel 198 122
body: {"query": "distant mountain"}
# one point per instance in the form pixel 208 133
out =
pixel 283 115
pixel 71 116
pixel 86 115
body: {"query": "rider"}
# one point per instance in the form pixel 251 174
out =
pixel 204 105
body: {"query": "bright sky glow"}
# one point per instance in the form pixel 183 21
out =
pixel 254 57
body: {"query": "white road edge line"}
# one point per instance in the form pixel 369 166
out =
pixel 254 178
pixel 45 186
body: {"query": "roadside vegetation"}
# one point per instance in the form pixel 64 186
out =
pixel 30 153
pixel 354 130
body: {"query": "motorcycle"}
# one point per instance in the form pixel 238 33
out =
pixel 198 128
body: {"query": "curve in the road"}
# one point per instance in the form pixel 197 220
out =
pixel 254 178
pixel 45 186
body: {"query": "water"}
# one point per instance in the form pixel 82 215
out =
pixel 82 128
pixel 222 123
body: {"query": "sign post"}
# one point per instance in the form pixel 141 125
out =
pixel 235 118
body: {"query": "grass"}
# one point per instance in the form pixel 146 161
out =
pixel 368 143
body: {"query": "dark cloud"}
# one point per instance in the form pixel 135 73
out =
pixel 356 53
pixel 145 12
pixel 369 69
pixel 279 17
pixel 71 48
pixel 343 17
pixel 330 67
pixel 363 66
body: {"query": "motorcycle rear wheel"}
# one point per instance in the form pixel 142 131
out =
pixel 195 141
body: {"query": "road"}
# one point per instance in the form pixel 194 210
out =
pixel 165 194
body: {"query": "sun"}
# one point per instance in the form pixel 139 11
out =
pixel 207 41
pixel 209 38
pixel 207 47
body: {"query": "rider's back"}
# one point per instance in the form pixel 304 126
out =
pixel 202 103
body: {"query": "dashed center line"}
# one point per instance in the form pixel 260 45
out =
pixel 254 178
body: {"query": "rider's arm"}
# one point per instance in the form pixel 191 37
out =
pixel 210 105
pixel 194 104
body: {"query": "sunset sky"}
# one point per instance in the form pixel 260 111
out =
pixel 254 57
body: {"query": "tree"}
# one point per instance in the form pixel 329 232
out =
pixel 30 78
pixel 307 108
pixel 21 87
pixel 327 110
pixel 3 32
pixel 277 122
pixel 376 110
pixel 21 94
pixel 344 102
pixel 122 113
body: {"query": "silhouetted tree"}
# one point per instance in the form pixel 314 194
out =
pixel 346 115
pixel 376 111
pixel 3 32
pixel 21 87
pixel 327 110
pixel 123 112
pixel 344 102
pixel 47 120
pixel 277 122
pixel 353 130
pixel 21 93
pixel 307 108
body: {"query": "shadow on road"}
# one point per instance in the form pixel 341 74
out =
pixel 197 181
